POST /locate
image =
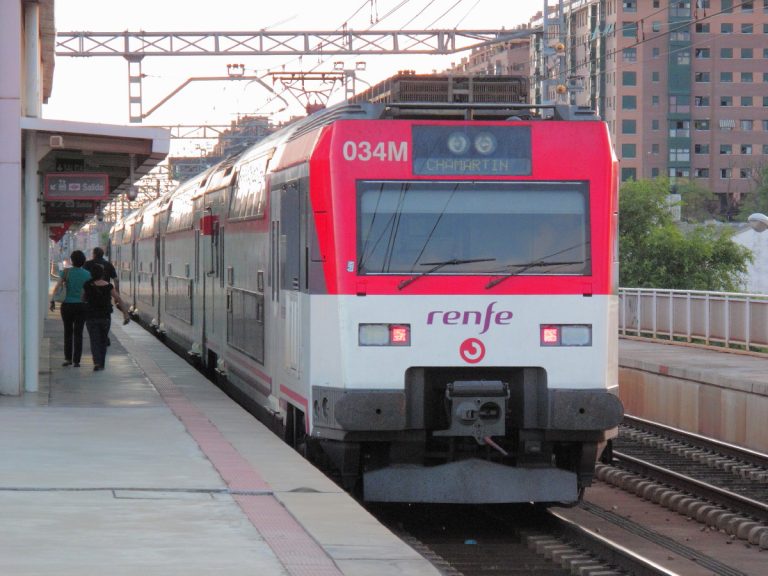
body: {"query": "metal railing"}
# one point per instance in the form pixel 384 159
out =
pixel 729 319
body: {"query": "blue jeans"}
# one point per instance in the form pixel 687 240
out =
pixel 98 330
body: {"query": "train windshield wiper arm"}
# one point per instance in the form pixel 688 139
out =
pixel 437 265
pixel 527 266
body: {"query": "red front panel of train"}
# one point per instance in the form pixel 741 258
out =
pixel 420 207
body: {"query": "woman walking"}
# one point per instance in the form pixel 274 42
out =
pixel 72 308
pixel 98 295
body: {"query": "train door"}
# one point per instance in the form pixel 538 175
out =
pixel 286 277
pixel 212 277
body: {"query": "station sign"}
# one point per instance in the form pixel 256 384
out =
pixel 64 210
pixel 75 186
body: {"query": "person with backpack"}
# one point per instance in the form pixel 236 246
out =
pixel 99 294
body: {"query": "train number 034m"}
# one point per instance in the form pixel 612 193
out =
pixel 365 151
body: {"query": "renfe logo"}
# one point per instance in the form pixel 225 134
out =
pixel 471 317
pixel 472 350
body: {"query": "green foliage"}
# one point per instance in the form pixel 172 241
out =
pixel 698 204
pixel 654 252
pixel 756 201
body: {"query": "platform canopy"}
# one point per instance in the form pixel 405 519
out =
pixel 120 154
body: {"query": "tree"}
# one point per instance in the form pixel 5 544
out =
pixel 654 252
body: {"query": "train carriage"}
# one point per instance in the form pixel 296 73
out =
pixel 426 293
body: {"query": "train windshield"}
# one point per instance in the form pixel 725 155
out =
pixel 470 228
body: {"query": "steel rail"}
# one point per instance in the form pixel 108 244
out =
pixel 716 495
pixel 730 450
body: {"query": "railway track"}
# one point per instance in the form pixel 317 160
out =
pixel 510 540
pixel 717 484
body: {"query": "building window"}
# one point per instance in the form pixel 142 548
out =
pixel 701 77
pixel 656 26
pixel 744 173
pixel 701 125
pixel 679 154
pixel 702 101
pixel 726 28
pixel 746 149
pixel 628 174
pixel 747 28
pixel 679 103
pixel 630 54
pixel 655 124
pixel 683 57
pixel 726 6
pixel 630 5
pixel 765 125
pixel 727 125
pixel 765 101
pixel 746 100
pixel 629 78
pixel 679 172
pixel 726 149
pixel 655 53
pixel 629 29
pixel 629 126
pixel 629 102
pixel 701 149
pixel 701 173
pixel 702 28
pixel 655 101
pixel 725 173
pixel 726 76
pixel 680 36
pixel 747 53
pixel 655 76
pixel 702 53
pixel 765 149
pixel 726 100
pixel 680 8
pixel 747 7
pixel 629 151
pixel 654 172
pixel 655 149
pixel 747 77
pixel 679 129
pixel 726 52
pixel 746 125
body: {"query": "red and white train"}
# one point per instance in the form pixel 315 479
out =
pixel 424 295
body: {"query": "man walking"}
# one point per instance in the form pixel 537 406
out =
pixel 110 274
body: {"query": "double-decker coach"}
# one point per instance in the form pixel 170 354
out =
pixel 424 293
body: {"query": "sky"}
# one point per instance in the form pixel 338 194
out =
pixel 96 89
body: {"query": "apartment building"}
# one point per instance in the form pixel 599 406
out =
pixel 682 84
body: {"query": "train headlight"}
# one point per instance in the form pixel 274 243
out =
pixel 384 335
pixel 565 335
pixel 485 143
pixel 458 143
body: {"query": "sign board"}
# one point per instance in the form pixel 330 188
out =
pixel 75 186
pixel 62 211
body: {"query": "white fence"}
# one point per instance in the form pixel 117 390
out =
pixel 728 319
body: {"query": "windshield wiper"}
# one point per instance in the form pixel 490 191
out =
pixel 437 265
pixel 525 267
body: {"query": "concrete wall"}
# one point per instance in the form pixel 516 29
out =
pixel 11 327
pixel 729 413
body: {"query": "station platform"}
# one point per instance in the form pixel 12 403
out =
pixel 715 392
pixel 147 468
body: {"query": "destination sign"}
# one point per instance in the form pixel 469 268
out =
pixel 472 150
pixel 76 186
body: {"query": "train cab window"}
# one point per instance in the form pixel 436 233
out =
pixel 537 228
